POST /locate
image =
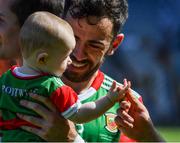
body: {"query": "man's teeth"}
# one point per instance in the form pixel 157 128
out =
pixel 78 64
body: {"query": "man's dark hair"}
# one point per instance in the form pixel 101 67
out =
pixel 115 10
pixel 23 8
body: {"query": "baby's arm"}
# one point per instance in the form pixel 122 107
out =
pixel 92 110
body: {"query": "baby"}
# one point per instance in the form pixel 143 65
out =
pixel 47 42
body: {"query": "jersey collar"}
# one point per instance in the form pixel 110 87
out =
pixel 17 74
pixel 93 88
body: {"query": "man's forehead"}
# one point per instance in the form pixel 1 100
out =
pixel 105 25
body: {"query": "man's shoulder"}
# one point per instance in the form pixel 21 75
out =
pixel 107 82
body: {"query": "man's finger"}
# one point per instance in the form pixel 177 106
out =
pixel 123 123
pixel 36 107
pixel 132 98
pixel 45 100
pixel 33 120
pixel 36 131
pixel 125 116
pixel 125 105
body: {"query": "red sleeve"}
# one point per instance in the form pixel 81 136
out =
pixel 1 120
pixel 124 138
pixel 64 97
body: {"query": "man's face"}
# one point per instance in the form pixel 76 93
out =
pixel 9 32
pixel 92 44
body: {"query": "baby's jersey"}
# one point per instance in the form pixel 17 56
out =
pixel 15 86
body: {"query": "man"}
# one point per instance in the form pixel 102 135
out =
pixel 50 118
pixel 96 24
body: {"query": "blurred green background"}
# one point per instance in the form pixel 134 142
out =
pixel 149 58
pixel 171 134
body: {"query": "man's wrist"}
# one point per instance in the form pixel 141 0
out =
pixel 152 135
pixel 156 137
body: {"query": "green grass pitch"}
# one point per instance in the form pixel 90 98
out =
pixel 170 134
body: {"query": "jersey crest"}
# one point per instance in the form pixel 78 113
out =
pixel 110 123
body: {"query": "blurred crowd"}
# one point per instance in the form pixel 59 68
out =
pixel 150 57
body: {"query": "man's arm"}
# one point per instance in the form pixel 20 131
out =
pixel 133 120
pixel 53 127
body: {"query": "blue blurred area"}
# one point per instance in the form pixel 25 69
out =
pixel 150 57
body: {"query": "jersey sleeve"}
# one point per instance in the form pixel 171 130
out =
pixel 66 100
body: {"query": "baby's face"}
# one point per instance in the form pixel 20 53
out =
pixel 58 61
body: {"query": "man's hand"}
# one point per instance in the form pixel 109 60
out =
pixel 53 127
pixel 134 121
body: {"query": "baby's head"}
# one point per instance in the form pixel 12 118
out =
pixel 47 42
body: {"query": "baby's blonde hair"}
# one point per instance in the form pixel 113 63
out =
pixel 43 30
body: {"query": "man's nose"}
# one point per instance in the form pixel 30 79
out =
pixel 79 52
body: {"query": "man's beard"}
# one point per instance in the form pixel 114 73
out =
pixel 84 77
pixel 73 77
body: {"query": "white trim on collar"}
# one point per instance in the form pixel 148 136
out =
pixel 86 94
pixel 20 74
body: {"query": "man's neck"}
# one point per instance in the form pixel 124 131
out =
pixel 81 86
pixel 19 61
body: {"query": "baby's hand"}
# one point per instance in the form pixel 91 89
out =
pixel 123 89
pixel 117 93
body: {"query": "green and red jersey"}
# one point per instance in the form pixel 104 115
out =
pixel 102 129
pixel 15 86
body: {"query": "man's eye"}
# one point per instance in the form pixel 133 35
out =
pixel 94 46
pixel 98 47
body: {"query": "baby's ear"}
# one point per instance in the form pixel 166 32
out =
pixel 42 58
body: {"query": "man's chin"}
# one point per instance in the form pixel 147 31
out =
pixel 80 77
pixel 75 78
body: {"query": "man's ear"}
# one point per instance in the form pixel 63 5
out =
pixel 42 58
pixel 118 40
